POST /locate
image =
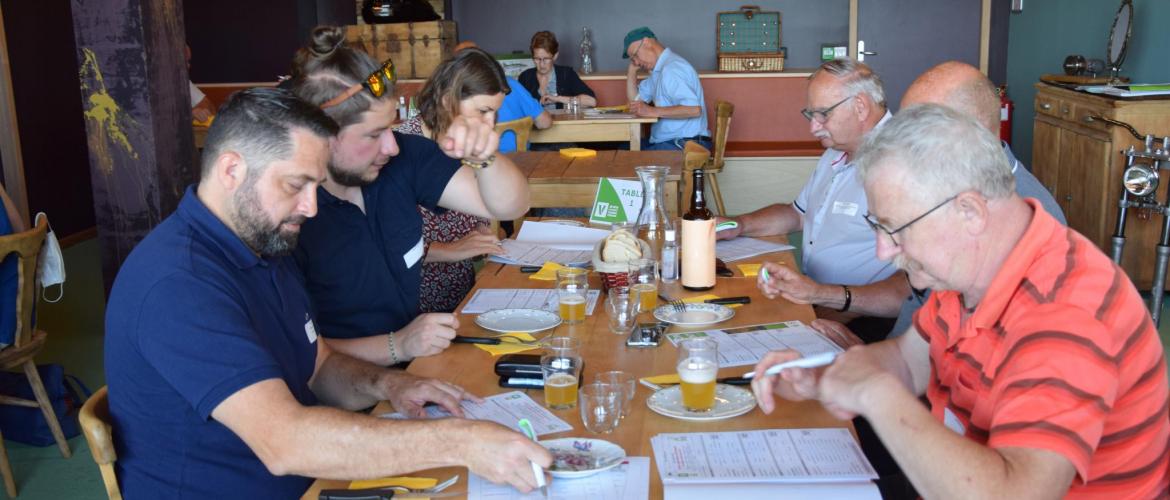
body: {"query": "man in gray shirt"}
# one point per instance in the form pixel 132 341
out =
pixel 963 88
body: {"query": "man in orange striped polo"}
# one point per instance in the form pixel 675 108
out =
pixel 1044 372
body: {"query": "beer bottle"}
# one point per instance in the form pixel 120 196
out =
pixel 698 241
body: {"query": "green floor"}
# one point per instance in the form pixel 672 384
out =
pixel 75 340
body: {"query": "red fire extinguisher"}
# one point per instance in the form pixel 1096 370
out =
pixel 1006 110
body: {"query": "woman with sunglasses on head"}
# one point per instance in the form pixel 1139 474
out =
pixel 470 85
pixel 362 254
pixel 552 84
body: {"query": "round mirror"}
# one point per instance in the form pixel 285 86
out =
pixel 1140 180
pixel 1119 35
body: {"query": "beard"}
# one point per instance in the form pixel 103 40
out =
pixel 258 231
pixel 348 179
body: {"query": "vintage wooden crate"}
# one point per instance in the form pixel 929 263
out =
pixel 417 48
pixel 748 40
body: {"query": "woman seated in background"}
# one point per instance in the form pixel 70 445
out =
pixel 470 84
pixel 551 84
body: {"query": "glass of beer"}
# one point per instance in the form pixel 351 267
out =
pixel 698 363
pixel 643 281
pixel 561 367
pixel 572 289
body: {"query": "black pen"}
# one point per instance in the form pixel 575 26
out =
pixel 529 269
pixel 460 339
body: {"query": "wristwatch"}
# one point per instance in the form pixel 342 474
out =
pixel 478 165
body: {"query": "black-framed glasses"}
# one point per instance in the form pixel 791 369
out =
pixel 378 83
pixel 877 226
pixel 822 115
pixel 639 47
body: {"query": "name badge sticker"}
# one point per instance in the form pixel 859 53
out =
pixel 310 329
pixel 845 208
pixel 412 256
pixel 953 423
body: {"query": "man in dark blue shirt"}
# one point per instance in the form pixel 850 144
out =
pixel 362 255
pixel 218 385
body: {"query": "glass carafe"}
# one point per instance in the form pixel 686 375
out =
pixel 653 221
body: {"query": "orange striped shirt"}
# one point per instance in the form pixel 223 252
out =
pixel 1061 355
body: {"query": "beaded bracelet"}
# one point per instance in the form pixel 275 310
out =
pixel 393 352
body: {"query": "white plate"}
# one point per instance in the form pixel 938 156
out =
pixel 518 320
pixel 730 401
pixel 694 314
pixel 564 222
pixel 595 456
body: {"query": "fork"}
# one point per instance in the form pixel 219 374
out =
pixel 678 305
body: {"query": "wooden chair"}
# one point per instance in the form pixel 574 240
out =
pixel 28 342
pixel 723 112
pixel 695 158
pixel 521 127
pixel 96 425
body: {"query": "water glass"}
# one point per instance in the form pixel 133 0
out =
pixel 560 366
pixel 643 281
pixel 698 364
pixel 622 309
pixel 572 290
pixel 623 380
pixel 601 407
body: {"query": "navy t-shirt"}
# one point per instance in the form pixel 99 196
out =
pixel 363 271
pixel 194 316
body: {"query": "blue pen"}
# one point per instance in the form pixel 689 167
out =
pixel 526 428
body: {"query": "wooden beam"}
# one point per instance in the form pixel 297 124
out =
pixel 985 37
pixel 10 153
pixel 137 109
pixel 852 50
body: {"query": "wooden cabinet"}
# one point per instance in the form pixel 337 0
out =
pixel 1078 158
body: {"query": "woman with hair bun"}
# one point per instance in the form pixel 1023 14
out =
pixel 471 85
pixel 552 84
pixel 362 254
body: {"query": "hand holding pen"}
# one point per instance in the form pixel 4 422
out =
pixel 787 374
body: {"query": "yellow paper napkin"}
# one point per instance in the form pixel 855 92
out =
pixel 701 298
pixel 409 482
pixel 508 348
pixel 578 153
pixel 668 379
pixel 749 270
pixel 547 273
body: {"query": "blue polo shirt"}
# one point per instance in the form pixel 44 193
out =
pixel 674 82
pixel 363 270
pixel 517 104
pixel 194 316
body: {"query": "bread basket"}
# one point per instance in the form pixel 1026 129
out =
pixel 614 274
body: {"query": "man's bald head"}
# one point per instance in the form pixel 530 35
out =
pixel 959 86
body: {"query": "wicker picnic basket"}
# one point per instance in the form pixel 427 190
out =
pixel 748 40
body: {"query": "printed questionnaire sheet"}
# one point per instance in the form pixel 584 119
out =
pixel 628 481
pixel 769 455
pixel 744 247
pixel 505 409
pixel 486 299
pixel 746 345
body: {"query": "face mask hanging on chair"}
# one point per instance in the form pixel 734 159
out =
pixel 51 270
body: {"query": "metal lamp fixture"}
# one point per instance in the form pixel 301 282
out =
pixel 1140 180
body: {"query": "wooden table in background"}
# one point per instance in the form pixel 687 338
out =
pixel 603 351
pixel 582 127
pixel 559 181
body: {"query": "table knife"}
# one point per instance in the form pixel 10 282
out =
pixel 461 339
pixel 730 300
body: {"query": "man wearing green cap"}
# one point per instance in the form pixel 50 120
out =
pixel 672 93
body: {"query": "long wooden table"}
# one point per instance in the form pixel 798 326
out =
pixel 559 181
pixel 590 127
pixel 473 369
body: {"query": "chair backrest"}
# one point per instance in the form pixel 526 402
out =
pixel 27 247
pixel 521 127
pixel 723 112
pixel 95 423
pixel 695 158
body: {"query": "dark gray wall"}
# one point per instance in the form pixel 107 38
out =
pixel 687 26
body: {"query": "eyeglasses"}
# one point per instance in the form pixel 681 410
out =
pixel 822 115
pixel 378 83
pixel 639 47
pixel 877 226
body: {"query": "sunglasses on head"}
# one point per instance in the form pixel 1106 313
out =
pixel 378 83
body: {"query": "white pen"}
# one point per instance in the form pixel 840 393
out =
pixel 814 361
pixel 526 427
